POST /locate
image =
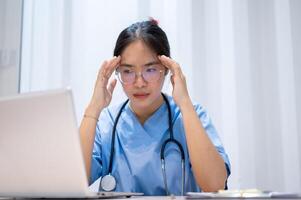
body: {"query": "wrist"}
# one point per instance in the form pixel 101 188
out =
pixel 93 111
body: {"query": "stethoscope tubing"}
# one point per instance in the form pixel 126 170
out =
pixel 162 156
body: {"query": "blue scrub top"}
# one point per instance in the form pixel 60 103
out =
pixel 136 163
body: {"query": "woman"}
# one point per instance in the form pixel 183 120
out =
pixel 131 154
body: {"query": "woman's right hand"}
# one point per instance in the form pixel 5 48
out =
pixel 103 91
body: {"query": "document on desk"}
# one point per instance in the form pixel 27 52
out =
pixel 249 193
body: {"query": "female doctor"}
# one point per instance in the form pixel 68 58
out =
pixel 153 143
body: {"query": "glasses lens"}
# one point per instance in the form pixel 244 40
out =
pixel 126 75
pixel 151 73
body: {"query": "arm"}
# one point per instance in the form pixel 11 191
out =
pixel 207 165
pixel 101 98
pixel 87 135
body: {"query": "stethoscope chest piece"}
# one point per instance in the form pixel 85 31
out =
pixel 108 183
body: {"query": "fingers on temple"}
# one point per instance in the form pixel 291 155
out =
pixel 108 67
pixel 170 64
pixel 113 64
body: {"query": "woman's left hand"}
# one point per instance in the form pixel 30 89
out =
pixel 179 92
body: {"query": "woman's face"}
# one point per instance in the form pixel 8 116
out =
pixel 144 89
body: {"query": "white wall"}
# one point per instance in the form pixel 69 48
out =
pixel 241 58
pixel 10 35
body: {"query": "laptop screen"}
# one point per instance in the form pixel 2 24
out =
pixel 40 152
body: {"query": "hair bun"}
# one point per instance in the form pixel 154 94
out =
pixel 153 21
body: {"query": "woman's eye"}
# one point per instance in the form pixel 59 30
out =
pixel 126 71
pixel 151 69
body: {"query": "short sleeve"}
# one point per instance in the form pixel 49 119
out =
pixel 213 135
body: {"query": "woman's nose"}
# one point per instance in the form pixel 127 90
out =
pixel 139 81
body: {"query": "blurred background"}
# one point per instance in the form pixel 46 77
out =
pixel 242 60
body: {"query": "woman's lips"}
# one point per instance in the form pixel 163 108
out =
pixel 141 95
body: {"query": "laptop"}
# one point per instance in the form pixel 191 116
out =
pixel 40 151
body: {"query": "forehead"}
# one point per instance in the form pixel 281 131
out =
pixel 138 53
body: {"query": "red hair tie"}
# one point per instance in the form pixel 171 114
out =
pixel 153 21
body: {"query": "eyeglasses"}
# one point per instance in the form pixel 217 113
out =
pixel 150 74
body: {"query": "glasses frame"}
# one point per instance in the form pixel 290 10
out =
pixel 136 76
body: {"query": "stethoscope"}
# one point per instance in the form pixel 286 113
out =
pixel 108 182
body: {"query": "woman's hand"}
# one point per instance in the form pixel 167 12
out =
pixel 103 91
pixel 180 92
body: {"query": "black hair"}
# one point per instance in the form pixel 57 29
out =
pixel 147 31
